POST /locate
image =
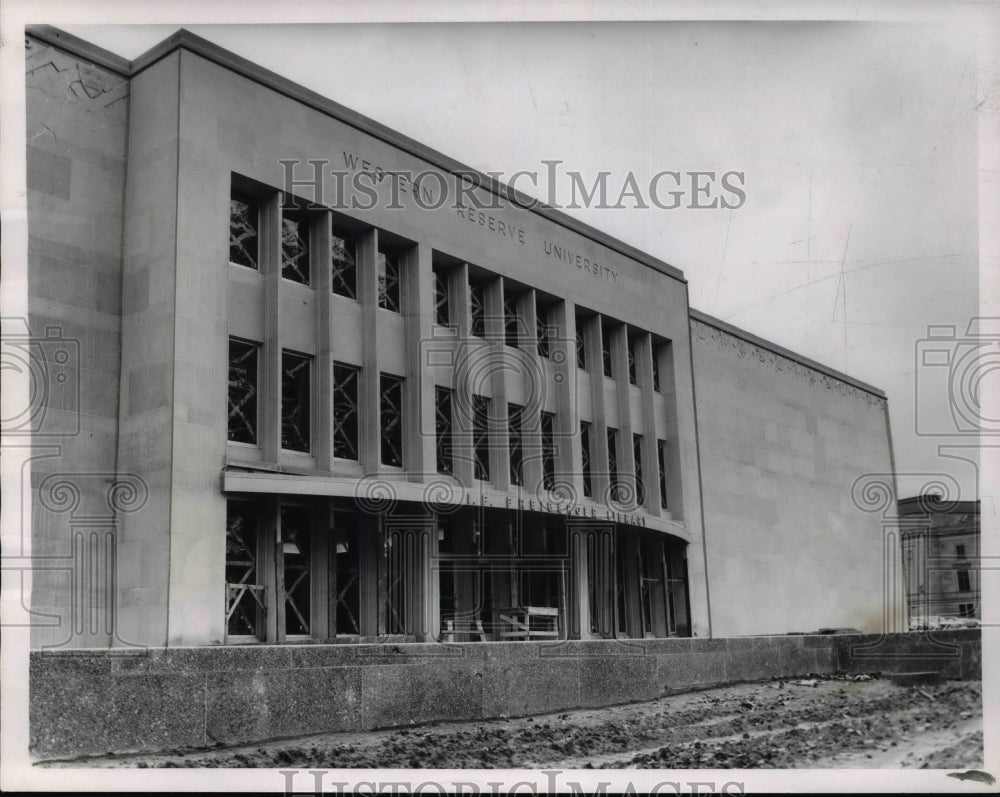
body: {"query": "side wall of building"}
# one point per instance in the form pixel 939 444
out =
pixel 793 542
pixel 77 129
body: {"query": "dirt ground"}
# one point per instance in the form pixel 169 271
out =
pixel 818 722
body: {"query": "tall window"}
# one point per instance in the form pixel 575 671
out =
pixel 477 304
pixel 656 368
pixel 345 411
pixel 295 558
pixel 243 378
pixel 391 390
pixel 548 450
pixel 344 265
pixel 581 343
pixel 630 346
pixel 243 231
pixel 661 459
pixel 294 246
pixel 442 307
pixel 346 553
pixel 388 281
pixel 606 347
pixel 544 330
pixel 480 436
pixel 613 464
pixel 964 582
pixel 588 487
pixel 515 437
pixel 510 320
pixel 294 401
pixel 640 486
pixel 960 551
pixel 244 592
pixel 443 425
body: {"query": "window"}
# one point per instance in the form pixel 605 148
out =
pixel 388 281
pixel 296 564
pixel 480 436
pixel 640 486
pixel 391 390
pixel 606 347
pixel 345 411
pixel 244 592
pixel 661 459
pixel 964 582
pixel 294 402
pixel 588 487
pixel 510 320
pixel 544 330
pixel 632 369
pixel 243 391
pixel 656 368
pixel 442 308
pixel 613 464
pixel 477 303
pixel 516 441
pixel 243 231
pixel 960 551
pixel 548 450
pixel 344 265
pixel 443 425
pixel 294 246
pixel 966 610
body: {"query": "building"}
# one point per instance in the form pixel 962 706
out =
pixel 377 401
pixel 940 549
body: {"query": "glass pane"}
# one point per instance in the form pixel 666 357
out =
pixel 510 321
pixel 295 555
pixel 243 594
pixel 516 444
pixel 347 579
pixel 388 281
pixel 243 235
pixel 294 402
pixel 443 424
pixel 588 489
pixel 392 420
pixel 480 436
pixel 477 299
pixel 548 451
pixel 345 411
pixel 242 392
pixel 294 248
pixel 606 348
pixel 442 308
pixel 640 487
pixel 343 266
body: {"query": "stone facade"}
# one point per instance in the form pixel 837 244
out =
pixel 671 476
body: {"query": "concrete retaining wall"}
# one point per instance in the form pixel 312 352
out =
pixel 86 702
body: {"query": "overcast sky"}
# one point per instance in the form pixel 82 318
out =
pixel 858 142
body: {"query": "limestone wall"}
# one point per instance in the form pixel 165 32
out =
pixel 794 540
pixel 77 116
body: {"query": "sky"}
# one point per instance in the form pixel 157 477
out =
pixel 857 142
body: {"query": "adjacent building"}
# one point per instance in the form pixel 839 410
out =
pixel 940 549
pixel 309 381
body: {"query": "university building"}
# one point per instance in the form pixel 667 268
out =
pixel 321 384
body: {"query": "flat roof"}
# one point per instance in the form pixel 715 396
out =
pixel 229 60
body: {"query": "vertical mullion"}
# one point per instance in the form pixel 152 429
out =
pixel 270 262
pixel 320 265
pixel 369 398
